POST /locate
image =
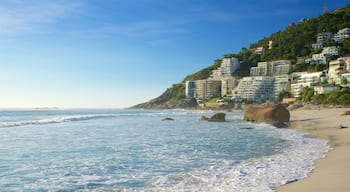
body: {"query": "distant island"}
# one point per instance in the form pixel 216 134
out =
pixel 307 62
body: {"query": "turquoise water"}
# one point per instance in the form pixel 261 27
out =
pixel 133 150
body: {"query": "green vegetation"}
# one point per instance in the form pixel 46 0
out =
pixel 295 41
pixel 176 92
pixel 333 98
pixel 204 73
pixel 283 94
pixel 309 68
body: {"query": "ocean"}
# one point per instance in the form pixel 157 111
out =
pixel 134 150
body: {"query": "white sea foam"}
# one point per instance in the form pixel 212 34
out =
pixel 60 119
pixel 254 175
pixel 121 156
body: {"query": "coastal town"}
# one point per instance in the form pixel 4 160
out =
pixel 269 79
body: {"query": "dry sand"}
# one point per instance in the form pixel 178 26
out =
pixel 332 174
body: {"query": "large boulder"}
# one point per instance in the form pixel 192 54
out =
pixel 218 117
pixel 269 114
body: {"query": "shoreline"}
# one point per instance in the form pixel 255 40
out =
pixel 331 173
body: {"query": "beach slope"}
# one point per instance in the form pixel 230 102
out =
pixel 333 172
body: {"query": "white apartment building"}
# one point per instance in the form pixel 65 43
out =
pixel 227 68
pixel 282 83
pixel 336 67
pixel 256 89
pixel 321 58
pixel 227 86
pixel 271 68
pixel 304 79
pixel 190 90
pixel 334 50
pixel 347 62
pixel 316 46
pixel 258 71
pixel 207 88
pixel 260 50
pixel 323 89
pixel 342 34
pixel 322 37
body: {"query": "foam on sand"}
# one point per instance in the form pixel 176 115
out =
pixel 254 175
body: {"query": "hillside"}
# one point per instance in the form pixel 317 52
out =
pixel 293 42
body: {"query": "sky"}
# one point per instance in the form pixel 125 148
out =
pixel 118 53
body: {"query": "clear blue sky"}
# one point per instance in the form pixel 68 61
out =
pixel 117 53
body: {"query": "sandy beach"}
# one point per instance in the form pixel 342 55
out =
pixel 333 172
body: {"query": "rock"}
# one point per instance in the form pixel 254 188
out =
pixel 168 119
pixel 268 114
pixel 218 117
pixel 346 113
pixel 342 126
pixel 238 106
pixel 280 125
pixel 204 118
pixel 246 128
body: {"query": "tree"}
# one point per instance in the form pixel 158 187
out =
pixel 307 94
pixel 344 81
pixel 283 94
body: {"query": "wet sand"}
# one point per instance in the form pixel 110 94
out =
pixel 333 172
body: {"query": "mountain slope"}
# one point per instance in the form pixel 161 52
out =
pixel 295 41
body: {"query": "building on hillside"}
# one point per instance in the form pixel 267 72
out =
pixel 343 79
pixel 271 68
pixel 260 50
pixel 347 62
pixel 294 77
pixel 302 80
pixel 346 77
pixel 336 67
pixel 324 89
pixel 207 88
pixel 278 67
pixel 317 46
pixel 271 44
pixel 323 37
pixel 190 90
pixel 332 51
pixel 227 86
pixel 301 60
pixel 256 89
pixel 282 69
pixel 321 58
pixel 342 35
pixel 258 71
pixel 226 69
pixel 282 83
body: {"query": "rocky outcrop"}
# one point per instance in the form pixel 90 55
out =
pixel 346 113
pixel 204 118
pixel 168 119
pixel 218 117
pixel 272 114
